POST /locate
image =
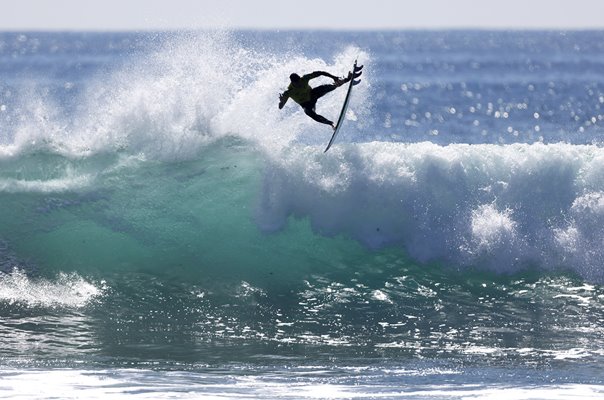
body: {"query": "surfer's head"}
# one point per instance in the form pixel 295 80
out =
pixel 294 77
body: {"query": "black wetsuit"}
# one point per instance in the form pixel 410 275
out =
pixel 307 97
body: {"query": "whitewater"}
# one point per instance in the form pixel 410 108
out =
pixel 166 230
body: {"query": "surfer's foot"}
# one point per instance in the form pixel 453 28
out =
pixel 333 126
pixel 340 81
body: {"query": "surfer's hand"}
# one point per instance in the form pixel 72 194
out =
pixel 282 100
pixel 343 80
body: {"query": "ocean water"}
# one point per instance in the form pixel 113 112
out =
pixel 167 232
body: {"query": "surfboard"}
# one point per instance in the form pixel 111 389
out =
pixel 353 82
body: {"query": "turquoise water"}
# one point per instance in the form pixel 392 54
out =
pixel 166 231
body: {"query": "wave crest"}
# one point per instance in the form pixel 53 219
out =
pixel 505 207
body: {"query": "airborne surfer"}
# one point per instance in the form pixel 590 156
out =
pixel 302 93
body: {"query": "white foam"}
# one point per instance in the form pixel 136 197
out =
pixel 11 185
pixel 491 227
pixel 144 384
pixel 503 206
pixel 67 290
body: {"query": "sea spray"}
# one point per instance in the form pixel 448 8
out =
pixel 66 290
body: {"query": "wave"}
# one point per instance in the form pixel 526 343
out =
pixel 178 158
pixel 500 207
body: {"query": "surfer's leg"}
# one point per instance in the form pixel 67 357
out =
pixel 321 91
pixel 319 118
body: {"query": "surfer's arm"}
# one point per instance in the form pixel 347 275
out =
pixel 283 99
pixel 317 74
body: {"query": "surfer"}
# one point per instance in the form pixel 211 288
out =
pixel 302 93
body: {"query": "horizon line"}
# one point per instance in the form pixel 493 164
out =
pixel 301 29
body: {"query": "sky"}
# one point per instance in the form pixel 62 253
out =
pixel 137 15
